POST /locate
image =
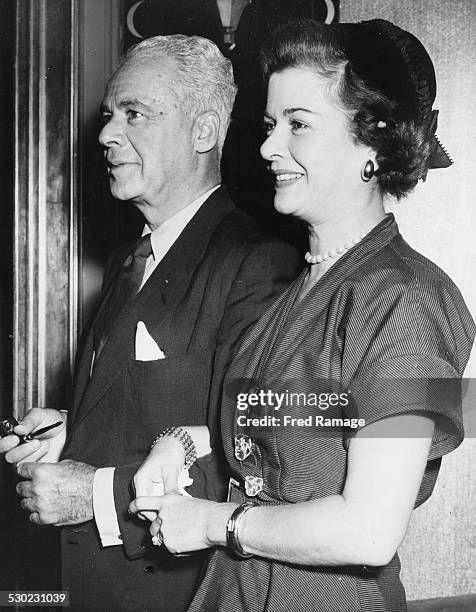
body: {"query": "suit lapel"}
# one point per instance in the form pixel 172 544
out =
pixel 161 292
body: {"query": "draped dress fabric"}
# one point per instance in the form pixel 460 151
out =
pixel 382 314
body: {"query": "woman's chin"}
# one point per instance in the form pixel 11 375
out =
pixel 284 205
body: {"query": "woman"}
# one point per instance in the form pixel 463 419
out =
pixel 371 328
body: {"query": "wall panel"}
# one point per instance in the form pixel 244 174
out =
pixel 45 258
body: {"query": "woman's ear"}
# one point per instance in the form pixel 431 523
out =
pixel 205 131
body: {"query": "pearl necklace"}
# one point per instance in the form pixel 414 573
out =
pixel 320 257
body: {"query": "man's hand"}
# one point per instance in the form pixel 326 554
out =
pixel 160 472
pixel 57 493
pixel 35 450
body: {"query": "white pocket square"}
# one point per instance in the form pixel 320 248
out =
pixel 147 348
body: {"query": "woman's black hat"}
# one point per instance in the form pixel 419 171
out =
pixel 396 63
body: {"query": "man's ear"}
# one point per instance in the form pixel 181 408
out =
pixel 205 131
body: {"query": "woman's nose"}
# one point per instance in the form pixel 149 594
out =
pixel 274 145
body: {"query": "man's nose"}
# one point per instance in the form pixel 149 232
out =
pixel 274 146
pixel 112 133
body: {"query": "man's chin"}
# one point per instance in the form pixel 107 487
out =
pixel 120 192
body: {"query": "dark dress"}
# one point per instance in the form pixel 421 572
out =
pixel 390 328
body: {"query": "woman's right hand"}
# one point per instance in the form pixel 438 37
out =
pixel 159 474
pixel 35 450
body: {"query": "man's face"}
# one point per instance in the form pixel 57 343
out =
pixel 147 138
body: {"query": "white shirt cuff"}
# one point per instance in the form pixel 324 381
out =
pixel 104 508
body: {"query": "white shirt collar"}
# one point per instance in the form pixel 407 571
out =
pixel 163 237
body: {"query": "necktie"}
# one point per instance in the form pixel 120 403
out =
pixel 127 285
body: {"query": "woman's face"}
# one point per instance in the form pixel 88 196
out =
pixel 311 153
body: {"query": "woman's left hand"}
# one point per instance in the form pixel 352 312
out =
pixel 184 524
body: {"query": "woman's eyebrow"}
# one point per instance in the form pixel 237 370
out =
pixel 290 111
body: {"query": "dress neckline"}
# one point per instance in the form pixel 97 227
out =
pixel 374 239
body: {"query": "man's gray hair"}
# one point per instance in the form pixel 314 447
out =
pixel 204 76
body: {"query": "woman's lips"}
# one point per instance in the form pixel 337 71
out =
pixel 282 179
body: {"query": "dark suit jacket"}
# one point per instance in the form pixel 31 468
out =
pixel 214 282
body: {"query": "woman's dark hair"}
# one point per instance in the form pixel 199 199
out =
pixel 388 104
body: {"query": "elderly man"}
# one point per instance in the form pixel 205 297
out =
pixel 175 305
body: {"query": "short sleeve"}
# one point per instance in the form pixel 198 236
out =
pixel 406 347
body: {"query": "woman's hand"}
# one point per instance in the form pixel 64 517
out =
pixel 159 474
pixel 185 524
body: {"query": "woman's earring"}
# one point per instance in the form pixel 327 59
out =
pixel 368 171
